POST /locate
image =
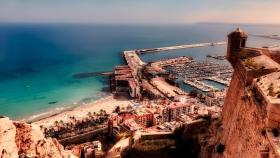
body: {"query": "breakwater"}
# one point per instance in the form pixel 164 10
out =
pixel 170 48
pixel 90 74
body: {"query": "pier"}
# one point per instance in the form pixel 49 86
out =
pixel 90 74
pixel 170 48
pixel 276 37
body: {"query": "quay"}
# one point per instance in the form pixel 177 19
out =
pixel 154 50
pixel 133 61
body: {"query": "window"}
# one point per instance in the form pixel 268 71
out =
pixel 243 42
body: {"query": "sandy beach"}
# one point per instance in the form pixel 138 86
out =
pixel 107 103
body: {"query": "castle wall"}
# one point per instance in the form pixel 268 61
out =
pixel 250 122
pixel 243 122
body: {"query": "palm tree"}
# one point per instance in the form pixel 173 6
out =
pixel 61 122
pixel 41 126
pixel 56 123
pixel 89 114
pixel 118 109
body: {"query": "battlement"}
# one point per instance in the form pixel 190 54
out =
pixel 269 88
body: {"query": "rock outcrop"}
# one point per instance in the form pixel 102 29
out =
pixel 8 146
pixel 19 139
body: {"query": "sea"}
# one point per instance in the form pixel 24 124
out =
pixel 38 61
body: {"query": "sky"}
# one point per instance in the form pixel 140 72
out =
pixel 140 11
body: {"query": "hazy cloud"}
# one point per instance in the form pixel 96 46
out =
pixel 144 11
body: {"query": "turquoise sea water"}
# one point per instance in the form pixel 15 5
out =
pixel 37 61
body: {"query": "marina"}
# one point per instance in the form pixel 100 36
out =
pixel 194 73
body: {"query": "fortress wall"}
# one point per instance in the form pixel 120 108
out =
pixel 242 122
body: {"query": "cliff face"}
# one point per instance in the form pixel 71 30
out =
pixel 21 139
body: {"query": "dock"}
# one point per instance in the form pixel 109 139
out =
pixel 218 80
pixel 200 85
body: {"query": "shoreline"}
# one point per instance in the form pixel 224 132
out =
pixel 57 110
pixel 53 112
pixel 49 113
pixel 107 103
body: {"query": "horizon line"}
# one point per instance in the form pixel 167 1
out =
pixel 134 23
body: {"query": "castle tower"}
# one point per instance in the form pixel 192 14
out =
pixel 236 41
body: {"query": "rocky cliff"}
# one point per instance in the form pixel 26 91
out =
pixel 19 139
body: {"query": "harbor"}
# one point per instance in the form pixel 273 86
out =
pixel 159 78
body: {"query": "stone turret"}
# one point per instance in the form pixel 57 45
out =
pixel 236 41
